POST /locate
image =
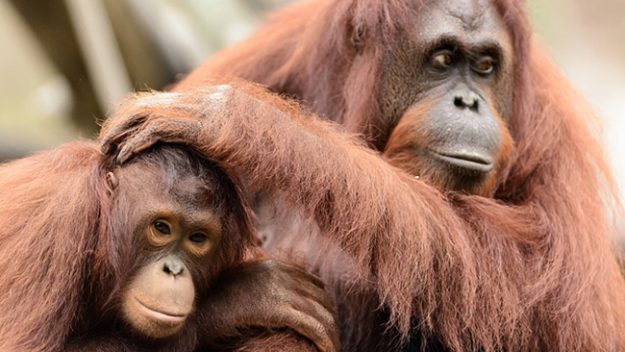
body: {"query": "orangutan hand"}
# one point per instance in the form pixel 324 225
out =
pixel 145 119
pixel 272 295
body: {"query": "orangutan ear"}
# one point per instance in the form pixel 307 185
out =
pixel 358 37
pixel 111 182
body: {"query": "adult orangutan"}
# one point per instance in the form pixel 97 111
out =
pixel 486 224
pixel 143 257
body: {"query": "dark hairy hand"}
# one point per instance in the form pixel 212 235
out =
pixel 272 295
pixel 145 119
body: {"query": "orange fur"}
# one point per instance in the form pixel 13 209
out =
pixel 67 251
pixel 530 268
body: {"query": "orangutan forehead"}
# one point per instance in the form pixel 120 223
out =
pixel 181 185
pixel 471 17
pixel 193 191
pixel 469 12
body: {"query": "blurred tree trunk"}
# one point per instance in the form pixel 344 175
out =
pixel 50 22
pixel 145 62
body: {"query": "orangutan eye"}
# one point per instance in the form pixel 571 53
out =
pixel 442 60
pixel 484 66
pixel 162 227
pixel 198 238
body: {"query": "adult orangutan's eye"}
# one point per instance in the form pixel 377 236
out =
pixel 442 60
pixel 484 66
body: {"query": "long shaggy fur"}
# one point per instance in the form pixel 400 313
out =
pixel 47 220
pixel 66 248
pixel 530 268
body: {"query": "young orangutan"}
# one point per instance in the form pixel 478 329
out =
pixel 156 255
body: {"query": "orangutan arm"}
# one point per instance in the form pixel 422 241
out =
pixel 283 341
pixel 255 303
pixel 397 230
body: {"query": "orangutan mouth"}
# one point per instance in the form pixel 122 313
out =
pixel 472 161
pixel 161 316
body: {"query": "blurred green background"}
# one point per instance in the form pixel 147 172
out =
pixel 65 63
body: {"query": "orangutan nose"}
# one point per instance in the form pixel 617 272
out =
pixel 466 100
pixel 173 267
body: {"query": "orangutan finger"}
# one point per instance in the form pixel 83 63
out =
pixel 165 130
pixel 315 293
pixel 316 310
pixel 119 132
pixel 135 146
pixel 134 112
pixel 307 326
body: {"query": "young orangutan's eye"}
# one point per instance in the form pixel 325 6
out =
pixel 162 227
pixel 198 238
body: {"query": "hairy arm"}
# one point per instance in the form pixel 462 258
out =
pixel 265 303
pixel 397 230
pixel 49 210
